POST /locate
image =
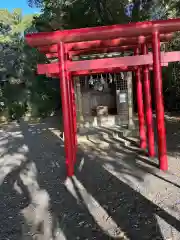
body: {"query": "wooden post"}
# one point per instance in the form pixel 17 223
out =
pixel 140 105
pixel 162 149
pixel 66 110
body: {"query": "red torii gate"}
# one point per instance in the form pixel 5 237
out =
pixel 68 43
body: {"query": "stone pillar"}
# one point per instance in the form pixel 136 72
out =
pixel 130 100
pixel 78 96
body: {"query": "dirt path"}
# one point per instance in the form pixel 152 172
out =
pixel 116 193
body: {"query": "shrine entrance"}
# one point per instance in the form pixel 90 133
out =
pixel 142 38
pixel 103 100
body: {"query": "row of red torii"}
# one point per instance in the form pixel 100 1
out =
pixel 137 36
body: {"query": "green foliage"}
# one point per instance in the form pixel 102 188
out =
pixel 65 14
pixel 21 90
pixel 44 96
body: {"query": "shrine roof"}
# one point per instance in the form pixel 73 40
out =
pixel 103 32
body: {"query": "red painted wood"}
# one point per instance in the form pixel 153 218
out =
pixel 101 50
pixel 66 109
pixel 51 55
pixel 162 149
pixel 148 105
pixel 94 51
pixel 140 105
pixel 103 32
pixel 48 68
pixel 162 65
pixel 109 63
pixel 96 64
pixel 48 49
pixel 55 55
pixel 53 68
pixel 98 71
pixel 129 61
pixel 104 70
pixel 71 120
pixel 104 44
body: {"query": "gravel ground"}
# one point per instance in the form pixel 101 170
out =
pixel 116 193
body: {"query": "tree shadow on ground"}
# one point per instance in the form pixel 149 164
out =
pixel 135 214
pixel 132 212
pixel 173 133
pixel 172 127
pixel 73 214
pixel 69 216
pixel 151 164
pixel 11 204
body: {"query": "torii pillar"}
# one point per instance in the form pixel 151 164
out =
pixel 162 149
